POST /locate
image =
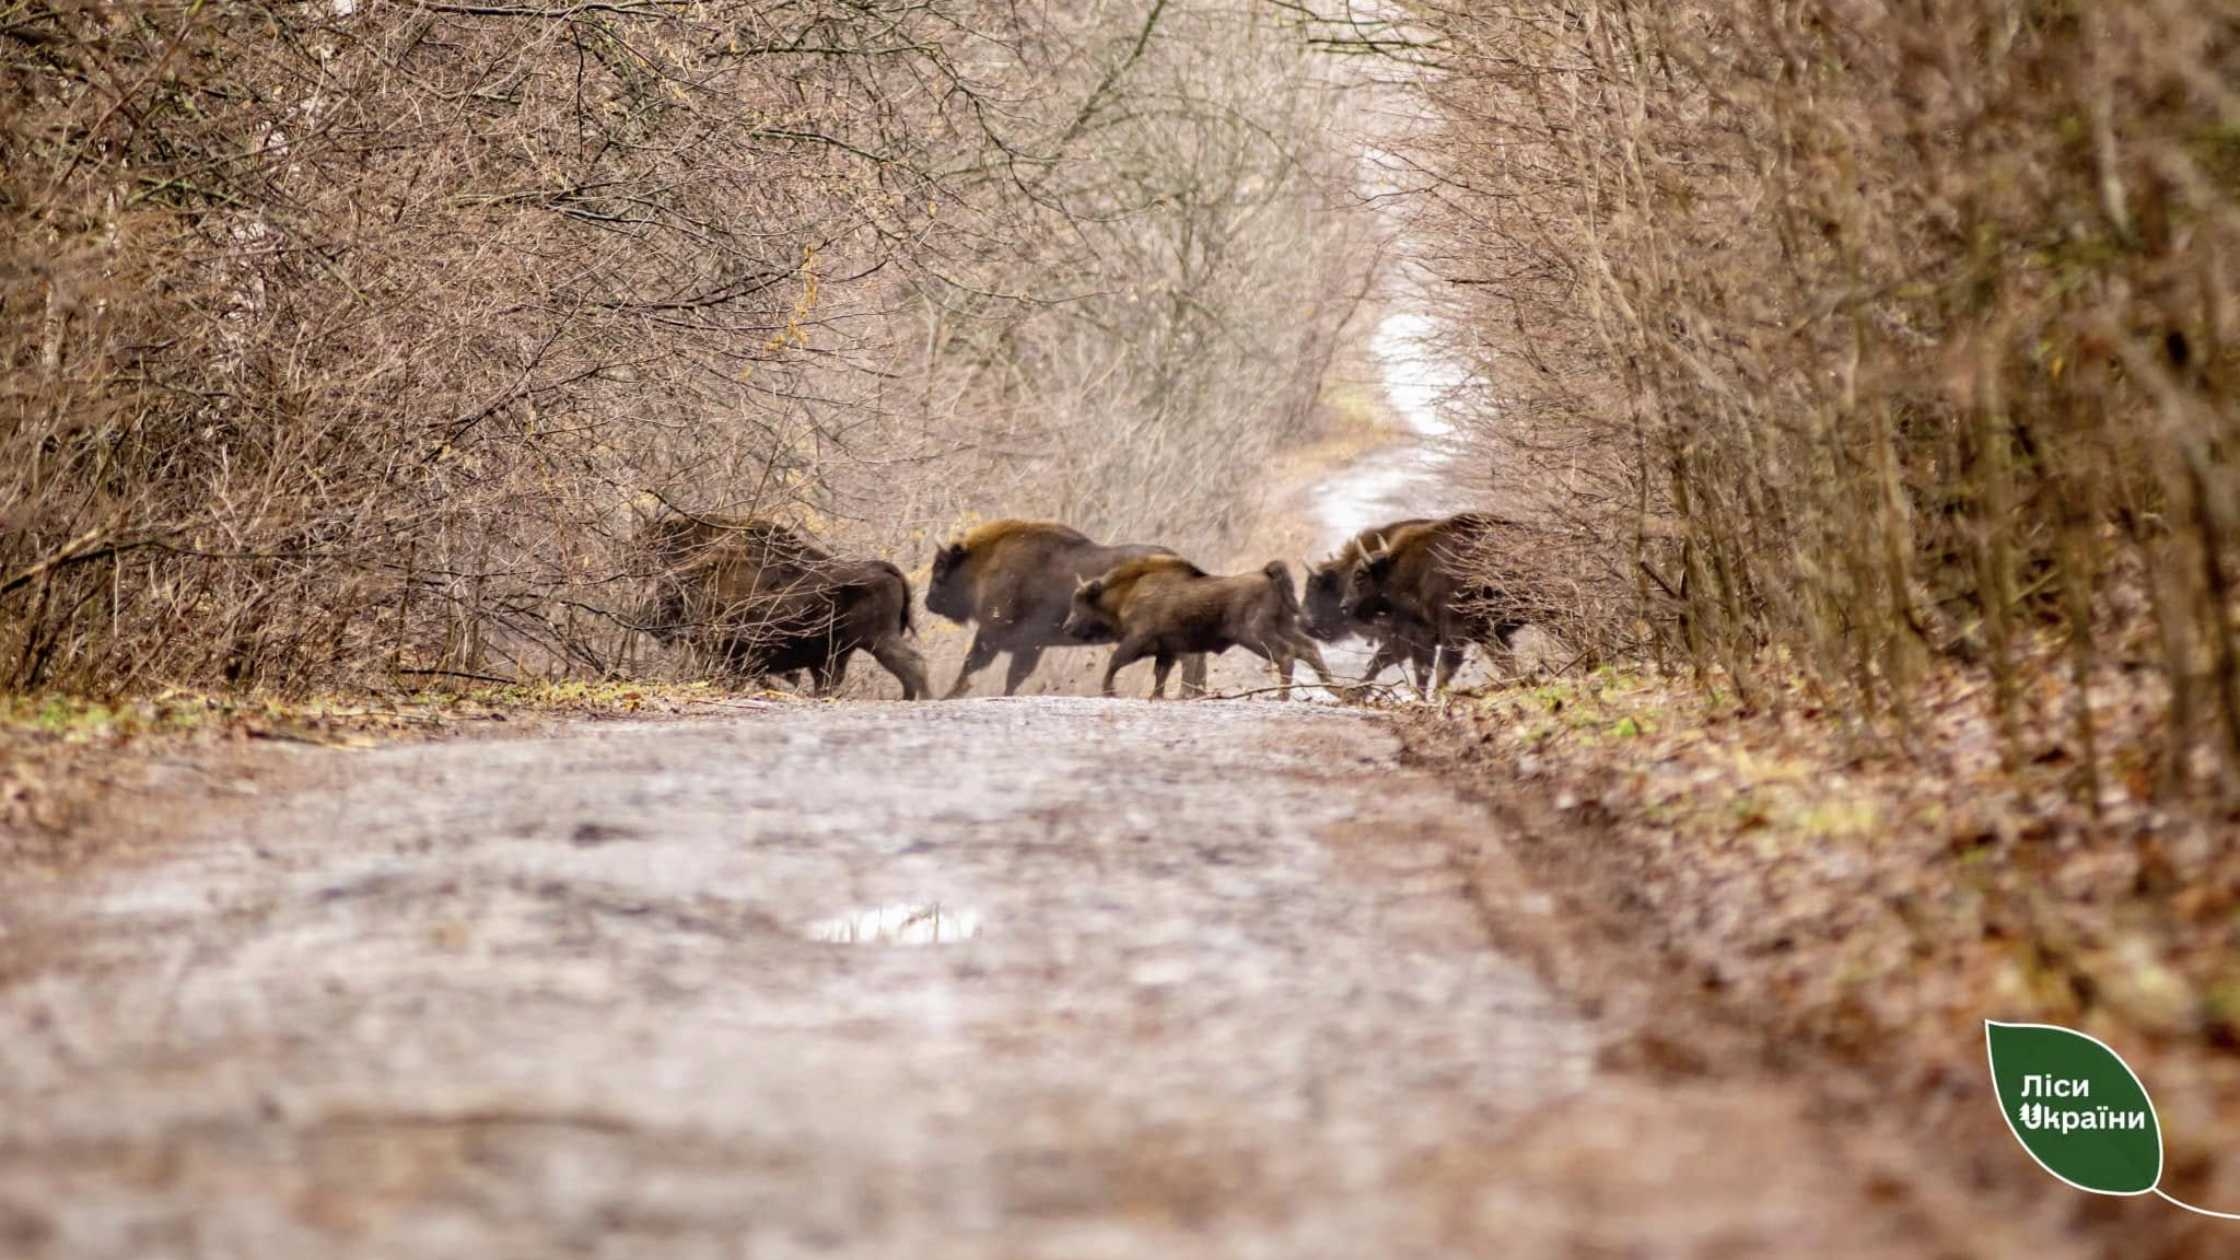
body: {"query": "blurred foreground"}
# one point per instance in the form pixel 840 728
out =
pixel 1030 977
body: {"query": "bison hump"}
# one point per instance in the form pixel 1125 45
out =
pixel 1128 572
pixel 994 532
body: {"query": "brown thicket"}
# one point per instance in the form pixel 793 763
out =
pixel 1856 334
pixel 349 338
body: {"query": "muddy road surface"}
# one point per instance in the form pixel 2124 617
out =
pixel 1035 977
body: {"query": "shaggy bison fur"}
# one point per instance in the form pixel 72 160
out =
pixel 1393 637
pixel 1166 607
pixel 1432 574
pixel 764 598
pixel 1013 581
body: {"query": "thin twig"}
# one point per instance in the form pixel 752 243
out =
pixel 1337 687
pixel 456 673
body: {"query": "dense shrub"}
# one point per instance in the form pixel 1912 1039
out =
pixel 1868 333
pixel 342 338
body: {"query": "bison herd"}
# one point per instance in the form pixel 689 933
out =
pixel 764 599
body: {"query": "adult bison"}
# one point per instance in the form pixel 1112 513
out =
pixel 765 598
pixel 1013 581
pixel 1393 637
pixel 1166 607
pixel 1430 574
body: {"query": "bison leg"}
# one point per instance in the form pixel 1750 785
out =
pixel 1450 659
pixel 1128 653
pixel 1387 655
pixel 976 658
pixel 903 661
pixel 1420 661
pixel 1389 652
pixel 1160 666
pixel 1284 663
pixel 1194 674
pixel 1023 661
pixel 1303 648
pixel 1276 654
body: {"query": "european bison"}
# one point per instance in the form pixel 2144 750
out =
pixel 1165 607
pixel 1427 574
pixel 1015 579
pixel 1394 637
pixel 766 599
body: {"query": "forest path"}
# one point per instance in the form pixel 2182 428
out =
pixel 1032 977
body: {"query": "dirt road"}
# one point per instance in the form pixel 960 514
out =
pixel 1034 977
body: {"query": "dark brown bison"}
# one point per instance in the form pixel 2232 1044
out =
pixel 1394 637
pixel 1166 607
pixel 1429 574
pixel 767 599
pixel 1014 580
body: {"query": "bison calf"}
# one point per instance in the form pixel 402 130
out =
pixel 766 599
pixel 1166 607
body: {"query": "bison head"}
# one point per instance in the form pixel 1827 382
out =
pixel 947 592
pixel 1086 620
pixel 1323 609
pixel 1367 587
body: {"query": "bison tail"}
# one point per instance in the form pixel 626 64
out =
pixel 1279 573
pixel 903 622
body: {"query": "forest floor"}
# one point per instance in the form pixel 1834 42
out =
pixel 1852 912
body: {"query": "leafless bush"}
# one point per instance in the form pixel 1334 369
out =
pixel 1863 332
pixel 1169 291
pixel 344 339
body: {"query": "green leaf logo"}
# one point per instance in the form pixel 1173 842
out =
pixel 2076 1107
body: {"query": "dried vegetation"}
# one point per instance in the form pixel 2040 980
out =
pixel 1856 912
pixel 349 341
pixel 1857 338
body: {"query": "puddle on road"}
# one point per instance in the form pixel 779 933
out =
pixel 899 923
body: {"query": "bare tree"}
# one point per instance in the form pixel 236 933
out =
pixel 1872 334
pixel 348 339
